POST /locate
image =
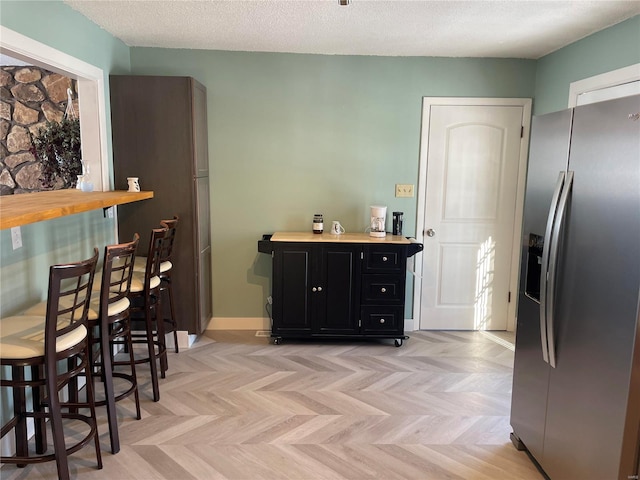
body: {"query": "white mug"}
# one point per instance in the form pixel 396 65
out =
pixel 336 228
pixel 134 186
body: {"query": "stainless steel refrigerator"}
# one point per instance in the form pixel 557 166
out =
pixel 576 384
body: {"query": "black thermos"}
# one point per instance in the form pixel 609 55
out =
pixel 397 223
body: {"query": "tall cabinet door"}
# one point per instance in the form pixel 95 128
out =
pixel 204 249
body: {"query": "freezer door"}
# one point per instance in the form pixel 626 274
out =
pixel 548 155
pixel 596 297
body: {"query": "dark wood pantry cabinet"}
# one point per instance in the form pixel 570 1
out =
pixel 338 286
pixel 159 127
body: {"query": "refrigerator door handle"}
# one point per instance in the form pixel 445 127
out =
pixel 553 264
pixel 545 265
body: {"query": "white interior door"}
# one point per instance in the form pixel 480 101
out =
pixel 471 212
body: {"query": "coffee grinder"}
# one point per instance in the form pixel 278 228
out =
pixel 397 223
pixel 378 221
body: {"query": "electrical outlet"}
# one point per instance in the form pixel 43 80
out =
pixel 16 237
pixel 269 300
pixel 404 190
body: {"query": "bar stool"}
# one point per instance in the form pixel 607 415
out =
pixel 146 305
pixel 166 261
pixel 111 325
pixel 42 345
pixel 166 267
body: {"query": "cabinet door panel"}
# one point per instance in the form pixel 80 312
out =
pixel 204 290
pixel 335 304
pixel 292 271
pixel 203 212
pixel 200 132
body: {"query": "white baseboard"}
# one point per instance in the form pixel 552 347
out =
pixel 409 325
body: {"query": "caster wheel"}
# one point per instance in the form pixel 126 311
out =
pixel 398 342
pixel 277 341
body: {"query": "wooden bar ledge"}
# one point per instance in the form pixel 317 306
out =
pixel 25 208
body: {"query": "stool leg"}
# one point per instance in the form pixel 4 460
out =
pixel 19 403
pixel 107 378
pixel 57 431
pixel 152 354
pixel 132 362
pixel 174 323
pixel 72 388
pixel 37 373
pixel 162 339
pixel 91 403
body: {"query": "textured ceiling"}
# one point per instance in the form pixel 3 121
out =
pixel 517 28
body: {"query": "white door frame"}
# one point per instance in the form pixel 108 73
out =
pixel 604 80
pixel 427 103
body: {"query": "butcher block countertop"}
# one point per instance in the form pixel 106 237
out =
pixel 331 238
pixel 25 208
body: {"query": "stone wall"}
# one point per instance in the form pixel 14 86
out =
pixel 29 97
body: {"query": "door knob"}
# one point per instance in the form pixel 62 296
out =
pixel 431 232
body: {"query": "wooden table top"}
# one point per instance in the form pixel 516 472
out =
pixel 332 238
pixel 25 208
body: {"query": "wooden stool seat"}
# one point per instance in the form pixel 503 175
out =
pixel 22 337
pixel 137 282
pixel 141 264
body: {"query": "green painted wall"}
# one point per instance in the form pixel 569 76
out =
pixel 291 135
pixel 610 49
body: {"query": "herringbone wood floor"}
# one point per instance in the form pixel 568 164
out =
pixel 236 407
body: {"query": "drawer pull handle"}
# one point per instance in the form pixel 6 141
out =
pixel 384 259
pixel 314 289
pixel 319 289
pixel 383 290
pixel 382 320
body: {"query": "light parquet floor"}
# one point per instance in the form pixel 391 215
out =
pixel 236 407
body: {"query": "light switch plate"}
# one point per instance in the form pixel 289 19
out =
pixel 16 237
pixel 404 190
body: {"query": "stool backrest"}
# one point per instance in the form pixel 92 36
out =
pixel 68 302
pixel 117 272
pixel 156 245
pixel 167 248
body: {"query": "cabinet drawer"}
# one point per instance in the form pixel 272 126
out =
pixel 383 319
pixel 382 288
pixel 383 258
